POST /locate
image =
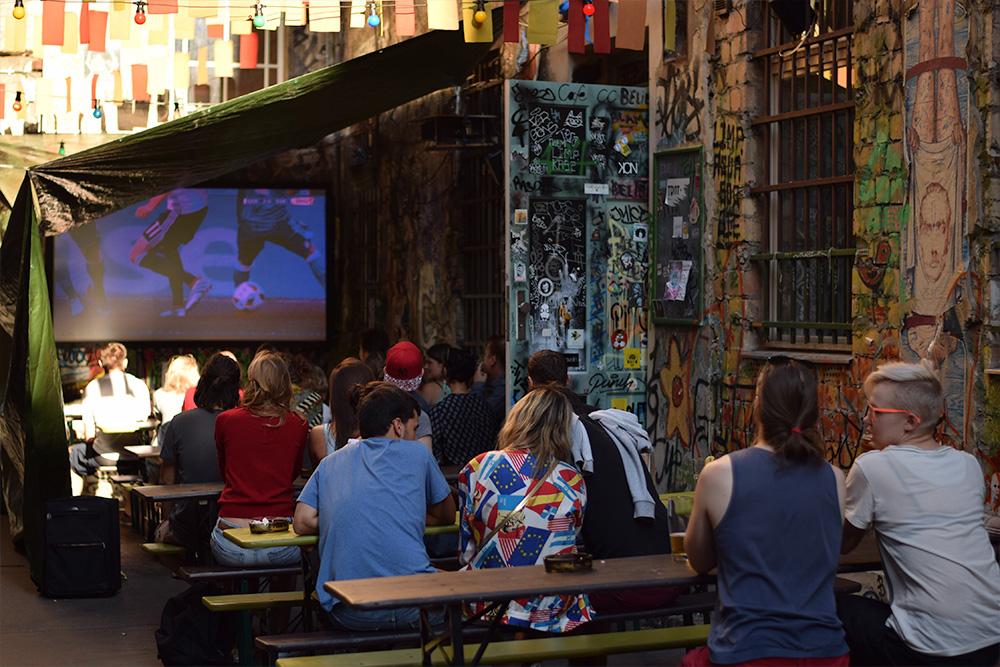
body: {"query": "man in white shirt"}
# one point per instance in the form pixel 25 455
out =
pixel 114 404
pixel 925 502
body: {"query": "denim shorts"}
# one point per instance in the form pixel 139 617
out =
pixel 226 552
pixel 343 617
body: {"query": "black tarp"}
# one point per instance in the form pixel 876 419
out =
pixel 80 188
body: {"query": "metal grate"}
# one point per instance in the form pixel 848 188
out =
pixel 480 180
pixel 808 197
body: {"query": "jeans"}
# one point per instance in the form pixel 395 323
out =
pixel 226 552
pixel 343 617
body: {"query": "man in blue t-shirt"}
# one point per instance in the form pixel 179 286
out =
pixel 370 502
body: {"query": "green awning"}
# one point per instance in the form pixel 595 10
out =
pixel 93 183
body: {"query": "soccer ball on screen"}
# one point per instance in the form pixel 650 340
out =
pixel 247 296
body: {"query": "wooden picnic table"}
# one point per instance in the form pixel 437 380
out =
pixel 500 585
pixel 144 451
pixel 146 508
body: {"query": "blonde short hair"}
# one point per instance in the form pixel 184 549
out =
pixel 540 424
pixel 182 374
pixel 914 388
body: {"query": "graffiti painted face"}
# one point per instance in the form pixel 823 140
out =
pixel 934 232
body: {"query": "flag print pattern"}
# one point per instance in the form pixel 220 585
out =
pixel 490 487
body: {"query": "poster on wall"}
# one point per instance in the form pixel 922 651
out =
pixel 677 277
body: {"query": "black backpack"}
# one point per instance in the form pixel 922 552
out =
pixel 190 634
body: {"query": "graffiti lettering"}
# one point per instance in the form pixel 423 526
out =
pixel 728 179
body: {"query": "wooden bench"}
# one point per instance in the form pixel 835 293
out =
pixel 333 640
pixel 525 650
pixel 219 573
pixel 244 603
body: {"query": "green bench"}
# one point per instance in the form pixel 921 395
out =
pixel 220 573
pixel 163 549
pixel 524 650
pixel 244 603
pixel 329 641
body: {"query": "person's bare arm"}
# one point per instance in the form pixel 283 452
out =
pixel 427 441
pixel 442 513
pixel 317 445
pixel 711 498
pixel 306 519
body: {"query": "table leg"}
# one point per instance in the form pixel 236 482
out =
pixel 244 631
pixel 454 613
pixel 308 586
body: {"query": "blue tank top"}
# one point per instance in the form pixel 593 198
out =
pixel 777 547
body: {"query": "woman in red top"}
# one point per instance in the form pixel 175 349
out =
pixel 260 446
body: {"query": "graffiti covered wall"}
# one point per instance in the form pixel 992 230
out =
pixel 578 221
pixel 926 210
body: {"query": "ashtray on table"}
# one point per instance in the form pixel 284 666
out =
pixel 568 562
pixel 275 525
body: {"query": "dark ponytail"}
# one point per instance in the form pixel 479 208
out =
pixel 786 410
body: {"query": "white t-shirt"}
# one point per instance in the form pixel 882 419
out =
pixel 119 411
pixel 927 510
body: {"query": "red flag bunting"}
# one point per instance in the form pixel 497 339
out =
pixel 601 23
pixel 98 31
pixel 84 22
pixel 576 37
pixel 140 82
pixel 53 23
pixel 248 51
pixel 511 21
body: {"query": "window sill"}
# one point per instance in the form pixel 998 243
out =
pixel 818 358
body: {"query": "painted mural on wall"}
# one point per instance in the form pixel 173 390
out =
pixel 935 251
pixel 578 222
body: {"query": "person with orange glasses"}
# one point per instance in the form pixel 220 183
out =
pixel 925 502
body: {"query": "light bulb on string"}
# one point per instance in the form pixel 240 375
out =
pixel 19 9
pixel 97 109
pixel 258 16
pixel 17 101
pixel 588 8
pixel 140 12
pixel 177 110
pixel 480 16
pixel 62 148
pixel 373 17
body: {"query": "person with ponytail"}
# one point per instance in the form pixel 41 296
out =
pixel 259 446
pixel 346 382
pixel 769 517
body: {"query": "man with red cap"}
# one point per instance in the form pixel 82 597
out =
pixel 404 367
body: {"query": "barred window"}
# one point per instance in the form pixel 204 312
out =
pixel 807 198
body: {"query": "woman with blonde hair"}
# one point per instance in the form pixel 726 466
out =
pixel 259 445
pixel 181 374
pixel 346 382
pixel 524 502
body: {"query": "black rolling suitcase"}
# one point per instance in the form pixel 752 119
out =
pixel 82 550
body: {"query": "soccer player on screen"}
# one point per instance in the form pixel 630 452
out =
pixel 262 217
pixel 158 249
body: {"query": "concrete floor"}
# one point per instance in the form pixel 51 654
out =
pixel 103 632
pixel 118 630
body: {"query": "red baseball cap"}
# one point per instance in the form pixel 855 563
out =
pixel 404 366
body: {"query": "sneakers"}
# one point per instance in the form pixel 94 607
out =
pixel 75 306
pixel 175 312
pixel 199 288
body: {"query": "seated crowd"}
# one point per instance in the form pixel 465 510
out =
pixel 556 475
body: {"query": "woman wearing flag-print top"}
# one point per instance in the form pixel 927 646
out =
pixel 533 445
